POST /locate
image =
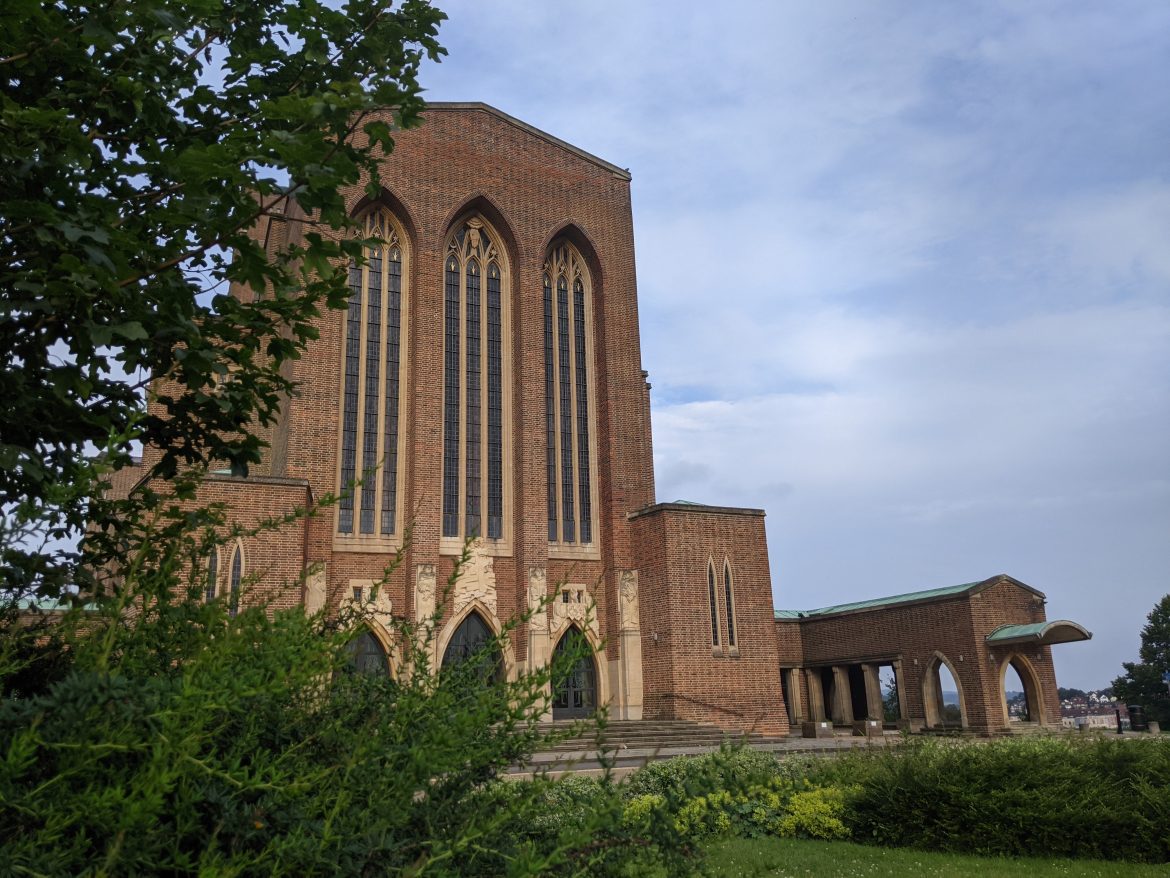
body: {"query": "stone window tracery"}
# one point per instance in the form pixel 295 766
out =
pixel 371 398
pixel 474 363
pixel 568 389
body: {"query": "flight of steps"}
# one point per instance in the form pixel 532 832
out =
pixel 629 744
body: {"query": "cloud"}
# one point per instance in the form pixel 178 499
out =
pixel 903 276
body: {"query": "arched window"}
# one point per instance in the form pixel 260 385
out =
pixel 729 605
pixel 237 573
pixel 474 370
pixel 212 574
pixel 366 655
pixel 576 693
pixel 370 402
pixel 568 388
pixel 473 640
pixel 714 603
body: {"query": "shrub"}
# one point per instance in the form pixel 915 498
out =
pixel 175 737
pixel 815 813
pixel 1103 798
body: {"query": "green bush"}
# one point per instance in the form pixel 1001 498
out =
pixel 173 737
pixel 1102 798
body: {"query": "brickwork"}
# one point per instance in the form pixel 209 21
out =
pixel 917 633
pixel 645 574
pixel 686 675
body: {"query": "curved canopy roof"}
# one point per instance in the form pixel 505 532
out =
pixel 1039 633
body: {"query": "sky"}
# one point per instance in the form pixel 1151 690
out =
pixel 903 276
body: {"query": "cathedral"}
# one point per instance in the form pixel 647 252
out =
pixel 486 383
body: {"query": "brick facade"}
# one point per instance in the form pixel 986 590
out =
pixel 640 591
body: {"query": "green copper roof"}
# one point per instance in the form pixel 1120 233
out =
pixel 1056 631
pixel 875 603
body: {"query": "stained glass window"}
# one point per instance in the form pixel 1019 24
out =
pixel 473 385
pixel 370 389
pixel 568 428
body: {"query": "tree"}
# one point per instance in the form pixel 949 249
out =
pixel 140 144
pixel 1142 683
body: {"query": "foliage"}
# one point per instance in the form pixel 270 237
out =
pixel 145 148
pixel 782 807
pixel 1142 681
pixel 891 709
pixel 764 857
pixel 686 776
pixel 1102 798
pixel 177 738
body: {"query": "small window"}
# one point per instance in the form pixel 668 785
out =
pixel 729 603
pixel 714 604
pixel 236 575
pixel 212 574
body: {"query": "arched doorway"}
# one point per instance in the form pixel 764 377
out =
pixel 576 696
pixel 1017 676
pixel 367 655
pixel 942 695
pixel 474 641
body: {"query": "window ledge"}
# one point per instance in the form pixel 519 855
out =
pixel 453 546
pixel 562 551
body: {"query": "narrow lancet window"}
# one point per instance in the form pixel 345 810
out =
pixel 370 386
pixel 212 574
pixel 473 385
pixel 236 576
pixel 567 387
pixel 729 603
pixel 714 605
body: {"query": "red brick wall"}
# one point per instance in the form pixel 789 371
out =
pixel 682 678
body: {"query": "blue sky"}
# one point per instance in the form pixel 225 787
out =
pixel 904 276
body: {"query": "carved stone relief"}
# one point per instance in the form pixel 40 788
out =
pixel 574 604
pixel 369 595
pixel 424 591
pixel 628 600
pixel 537 590
pixel 315 586
pixel 477 581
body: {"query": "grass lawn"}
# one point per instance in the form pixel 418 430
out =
pixel 742 858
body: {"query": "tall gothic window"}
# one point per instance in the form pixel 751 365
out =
pixel 474 322
pixel 568 385
pixel 370 390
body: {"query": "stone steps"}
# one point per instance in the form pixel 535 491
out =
pixel 628 745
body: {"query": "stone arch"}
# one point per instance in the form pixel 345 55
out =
pixel 1032 689
pixel 368 646
pixel 388 199
pixel 581 694
pixel 480 203
pixel 477 608
pixel 572 231
pixel 932 691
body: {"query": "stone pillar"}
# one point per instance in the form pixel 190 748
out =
pixel 873 693
pixel 816 695
pixel 794 696
pixel 538 646
pixel 628 679
pixel 900 682
pixel 842 702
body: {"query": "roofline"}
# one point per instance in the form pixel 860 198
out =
pixel 700 508
pixel 945 593
pixel 620 173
